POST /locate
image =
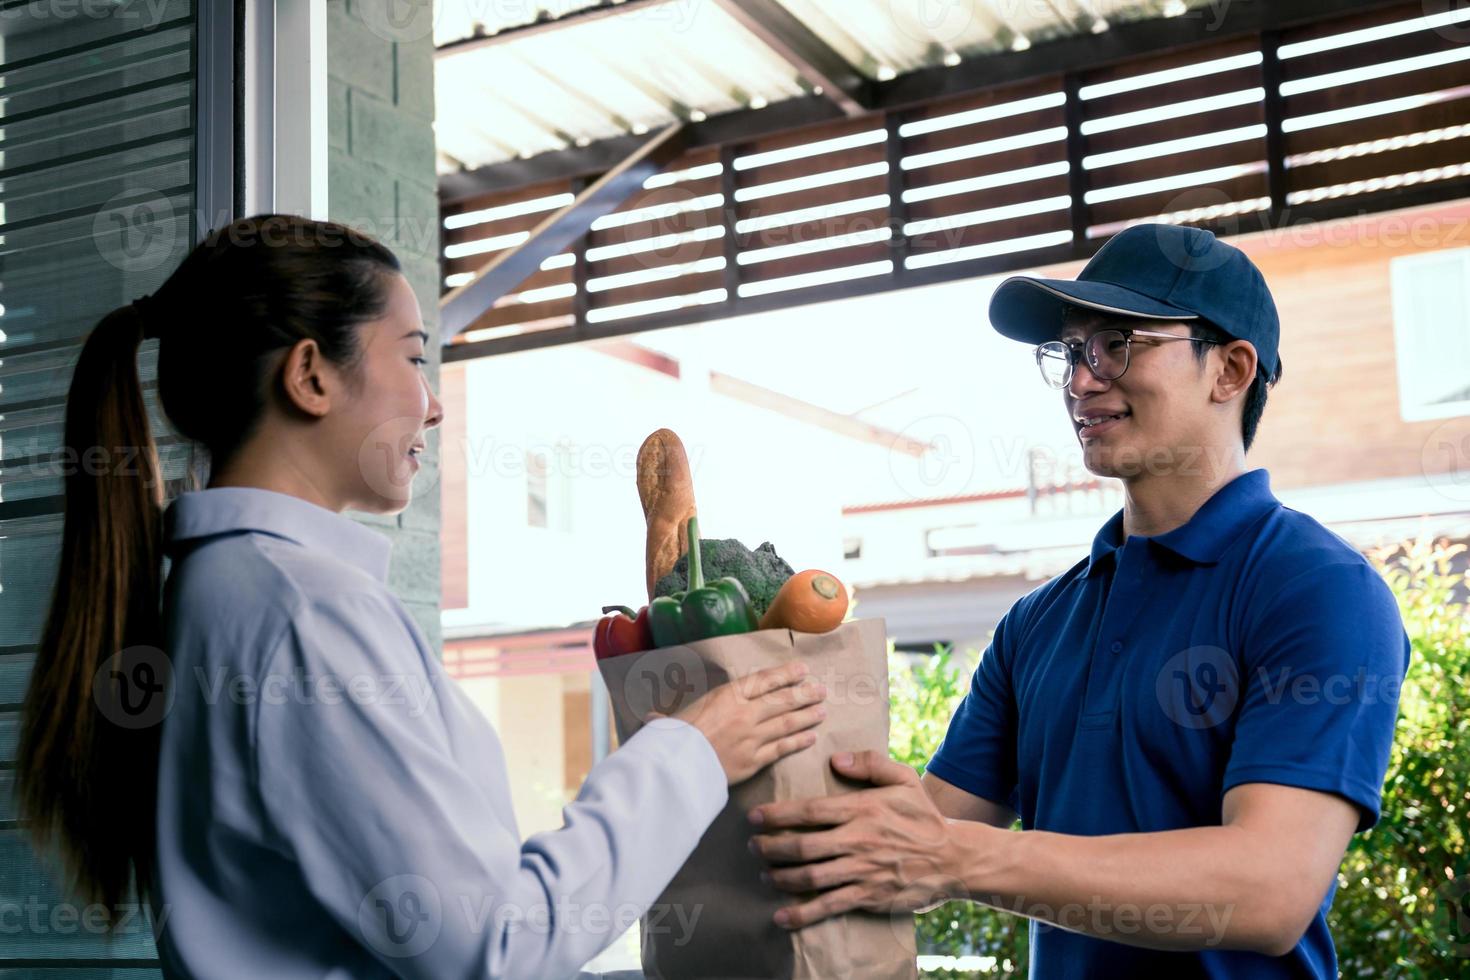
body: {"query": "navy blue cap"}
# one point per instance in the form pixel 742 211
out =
pixel 1158 271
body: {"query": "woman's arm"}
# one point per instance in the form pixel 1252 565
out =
pixel 404 848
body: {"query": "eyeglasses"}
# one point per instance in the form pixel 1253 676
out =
pixel 1107 354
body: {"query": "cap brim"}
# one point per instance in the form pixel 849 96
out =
pixel 1031 310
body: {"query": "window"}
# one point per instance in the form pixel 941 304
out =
pixel 957 540
pixel 1431 325
pixel 536 468
pixel 115 130
pixel 549 488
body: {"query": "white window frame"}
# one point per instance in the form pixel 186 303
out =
pixel 284 56
pixel 1410 346
pixel 557 487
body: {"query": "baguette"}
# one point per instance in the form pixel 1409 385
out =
pixel 666 488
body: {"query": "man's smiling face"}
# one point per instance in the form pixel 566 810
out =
pixel 1154 417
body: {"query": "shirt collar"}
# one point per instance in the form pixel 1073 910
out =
pixel 222 510
pixel 1214 527
pixel 1107 541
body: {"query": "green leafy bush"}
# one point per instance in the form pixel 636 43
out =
pixel 924 697
pixel 1403 902
pixel 1402 908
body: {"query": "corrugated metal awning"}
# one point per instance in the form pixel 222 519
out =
pixel 512 85
pixel 1256 117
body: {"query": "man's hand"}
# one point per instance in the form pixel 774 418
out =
pixel 880 849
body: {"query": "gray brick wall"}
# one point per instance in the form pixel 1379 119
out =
pixel 381 161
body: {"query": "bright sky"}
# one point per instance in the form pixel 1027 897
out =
pixel 922 361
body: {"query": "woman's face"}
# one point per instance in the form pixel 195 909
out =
pixel 389 414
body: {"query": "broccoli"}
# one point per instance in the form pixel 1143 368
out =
pixel 761 571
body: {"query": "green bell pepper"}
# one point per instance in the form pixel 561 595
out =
pixel 720 608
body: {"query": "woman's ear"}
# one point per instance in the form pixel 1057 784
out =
pixel 301 379
pixel 1237 370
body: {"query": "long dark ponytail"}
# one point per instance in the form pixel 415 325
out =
pixel 87 769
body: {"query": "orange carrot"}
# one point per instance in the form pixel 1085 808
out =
pixel 812 601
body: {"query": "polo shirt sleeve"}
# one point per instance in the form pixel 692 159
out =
pixel 402 846
pixel 978 752
pixel 1321 674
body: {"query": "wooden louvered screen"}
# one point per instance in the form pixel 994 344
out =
pixel 986 175
pixel 822 212
pixel 1238 135
pixel 675 229
pixel 1373 115
pixel 1175 135
pixel 476 229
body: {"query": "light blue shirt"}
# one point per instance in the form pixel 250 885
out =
pixel 332 805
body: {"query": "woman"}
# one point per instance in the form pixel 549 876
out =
pixel 276 760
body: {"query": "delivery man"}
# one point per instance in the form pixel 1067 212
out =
pixel 1193 720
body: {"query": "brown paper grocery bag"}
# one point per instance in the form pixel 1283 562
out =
pixel 713 922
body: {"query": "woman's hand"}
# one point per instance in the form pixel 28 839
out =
pixel 755 720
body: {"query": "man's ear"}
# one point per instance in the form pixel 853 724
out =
pixel 1237 370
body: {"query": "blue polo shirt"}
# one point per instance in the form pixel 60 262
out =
pixel 1128 694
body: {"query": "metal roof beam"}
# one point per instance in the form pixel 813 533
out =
pixel 801 48
pixel 466 303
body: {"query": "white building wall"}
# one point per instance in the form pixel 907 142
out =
pixel 759 476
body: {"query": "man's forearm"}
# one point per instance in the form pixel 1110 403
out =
pixel 1196 888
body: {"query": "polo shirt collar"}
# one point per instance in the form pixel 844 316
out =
pixel 222 510
pixel 1214 527
pixel 1107 541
